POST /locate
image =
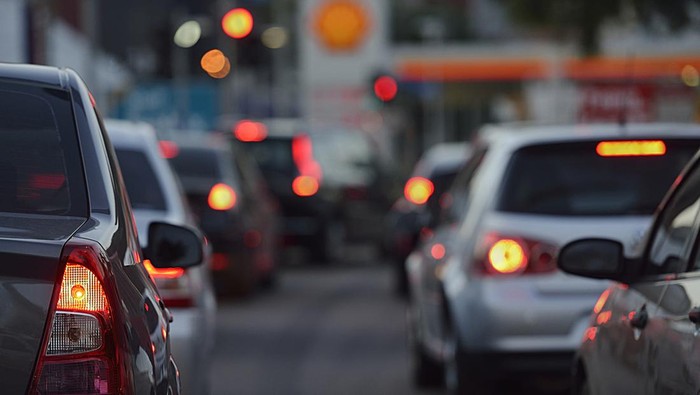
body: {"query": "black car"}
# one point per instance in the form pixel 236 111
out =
pixel 643 335
pixel 233 208
pixel 78 310
pixel 285 155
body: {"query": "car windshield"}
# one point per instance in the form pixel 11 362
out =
pixel 142 185
pixel 572 179
pixel 39 162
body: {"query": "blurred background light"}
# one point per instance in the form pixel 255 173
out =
pixel 275 37
pixel 690 75
pixel 188 34
pixel 237 23
pixel 216 64
pixel 342 25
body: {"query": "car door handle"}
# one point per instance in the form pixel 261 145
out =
pixel 640 318
pixel 694 315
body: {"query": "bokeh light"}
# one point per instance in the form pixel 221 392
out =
pixel 275 37
pixel 342 24
pixel 690 75
pixel 216 64
pixel 237 23
pixel 188 34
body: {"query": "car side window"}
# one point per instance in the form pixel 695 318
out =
pixel 456 201
pixel 677 228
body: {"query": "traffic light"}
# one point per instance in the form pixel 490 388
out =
pixel 237 23
pixel 385 88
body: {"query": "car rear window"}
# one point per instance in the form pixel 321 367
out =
pixel 40 165
pixel 572 179
pixel 141 181
pixel 273 155
pixel 197 163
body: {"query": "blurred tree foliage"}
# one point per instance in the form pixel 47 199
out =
pixel 584 18
pixel 428 20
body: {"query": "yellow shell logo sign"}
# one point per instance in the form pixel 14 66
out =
pixel 341 25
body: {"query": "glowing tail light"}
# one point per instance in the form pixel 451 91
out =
pixel 418 190
pixel 305 186
pixel 156 273
pixel 507 255
pixel 221 197
pixel 631 148
pixel 250 131
pixel 600 303
pixel 80 352
pixel 168 149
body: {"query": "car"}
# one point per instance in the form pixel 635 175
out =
pixel 233 208
pixel 419 206
pixel 79 312
pixel 642 336
pixel 487 301
pixel 284 152
pixel 156 196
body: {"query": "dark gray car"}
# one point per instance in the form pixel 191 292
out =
pixel 78 312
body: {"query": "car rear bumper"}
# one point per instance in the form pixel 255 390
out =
pixel 526 363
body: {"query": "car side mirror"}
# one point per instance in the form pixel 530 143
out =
pixel 174 246
pixel 594 258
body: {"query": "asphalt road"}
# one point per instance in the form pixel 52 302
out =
pixel 323 330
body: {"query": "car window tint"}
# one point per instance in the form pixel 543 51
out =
pixel 273 155
pixel 572 179
pixel 142 184
pixel 197 163
pixel 675 231
pixel 39 158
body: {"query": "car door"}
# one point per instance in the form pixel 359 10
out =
pixel 674 354
pixel 666 338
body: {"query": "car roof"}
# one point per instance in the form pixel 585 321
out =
pixel 443 157
pixel 45 75
pixel 129 134
pixel 520 134
pixel 199 140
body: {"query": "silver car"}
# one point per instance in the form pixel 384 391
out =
pixel 486 298
pixel 155 195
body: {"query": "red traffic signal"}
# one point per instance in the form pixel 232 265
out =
pixel 385 88
pixel 237 23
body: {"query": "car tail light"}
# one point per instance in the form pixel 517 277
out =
pixel 418 190
pixel 631 148
pixel 221 197
pixel 600 303
pixel 173 284
pixel 168 149
pixel 80 353
pixel 305 186
pixel 500 254
pixel 250 131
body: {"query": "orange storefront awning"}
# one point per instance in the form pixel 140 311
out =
pixel 516 69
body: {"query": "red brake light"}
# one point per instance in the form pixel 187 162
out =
pixel 168 149
pixel 437 251
pixel 250 131
pixel 80 353
pixel 305 186
pixel 418 190
pixel 302 153
pixel 221 197
pixel 506 255
pixel 631 148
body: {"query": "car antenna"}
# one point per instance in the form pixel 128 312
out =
pixel 625 97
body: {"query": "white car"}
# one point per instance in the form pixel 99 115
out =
pixel 486 298
pixel 156 195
